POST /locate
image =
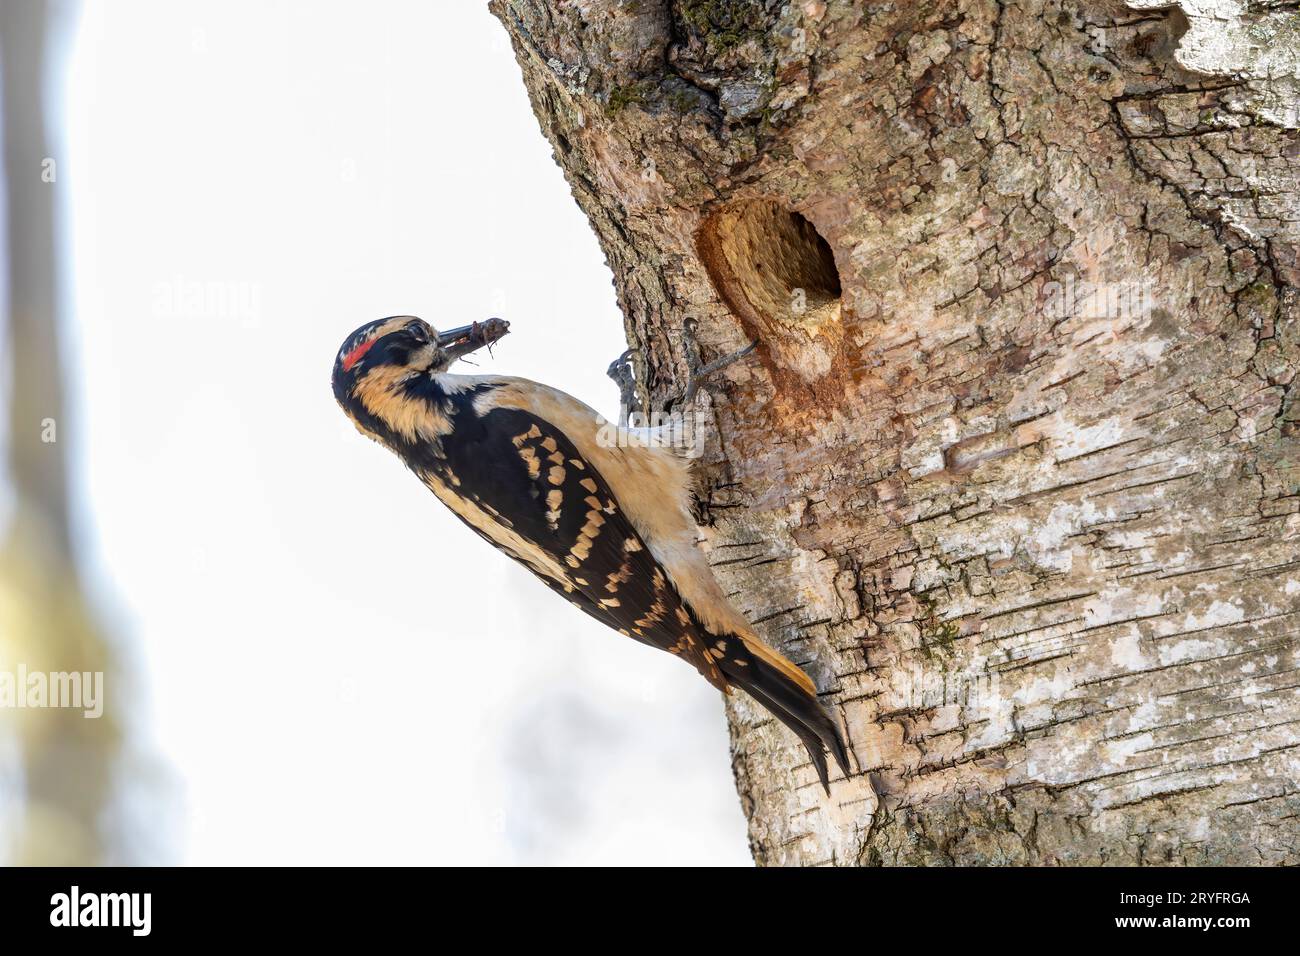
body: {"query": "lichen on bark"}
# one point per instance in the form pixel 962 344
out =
pixel 1020 487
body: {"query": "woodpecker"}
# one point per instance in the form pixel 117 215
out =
pixel 607 525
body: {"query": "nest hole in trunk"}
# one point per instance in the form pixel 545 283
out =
pixel 772 267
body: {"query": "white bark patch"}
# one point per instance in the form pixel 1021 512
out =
pixel 1218 614
pixel 1193 650
pixel 1056 762
pixel 1042 688
pixel 1146 714
pixel 1126 652
pixel 1119 752
pixel 1262 49
pixel 1119 603
pixel 1044 541
pixel 1081 441
pixel 1044 545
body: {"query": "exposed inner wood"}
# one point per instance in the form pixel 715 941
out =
pixel 772 267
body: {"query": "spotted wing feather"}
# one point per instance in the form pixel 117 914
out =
pixel 532 479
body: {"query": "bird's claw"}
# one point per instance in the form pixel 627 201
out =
pixel 696 372
pixel 695 376
pixel 624 376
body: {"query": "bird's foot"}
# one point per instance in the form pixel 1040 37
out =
pixel 696 372
pixel 624 376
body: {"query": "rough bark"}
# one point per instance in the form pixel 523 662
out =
pixel 1037 541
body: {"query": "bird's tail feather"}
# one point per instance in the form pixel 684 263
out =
pixel 795 706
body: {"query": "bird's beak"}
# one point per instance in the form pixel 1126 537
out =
pixel 461 341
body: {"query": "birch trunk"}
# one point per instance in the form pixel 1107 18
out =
pixel 1013 472
pixel 58 764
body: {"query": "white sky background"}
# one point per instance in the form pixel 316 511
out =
pixel 335 669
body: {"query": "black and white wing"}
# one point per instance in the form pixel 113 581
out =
pixel 539 492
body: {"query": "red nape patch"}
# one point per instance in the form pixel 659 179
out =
pixel 355 356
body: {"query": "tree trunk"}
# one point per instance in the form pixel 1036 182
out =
pixel 1013 472
pixel 65 783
